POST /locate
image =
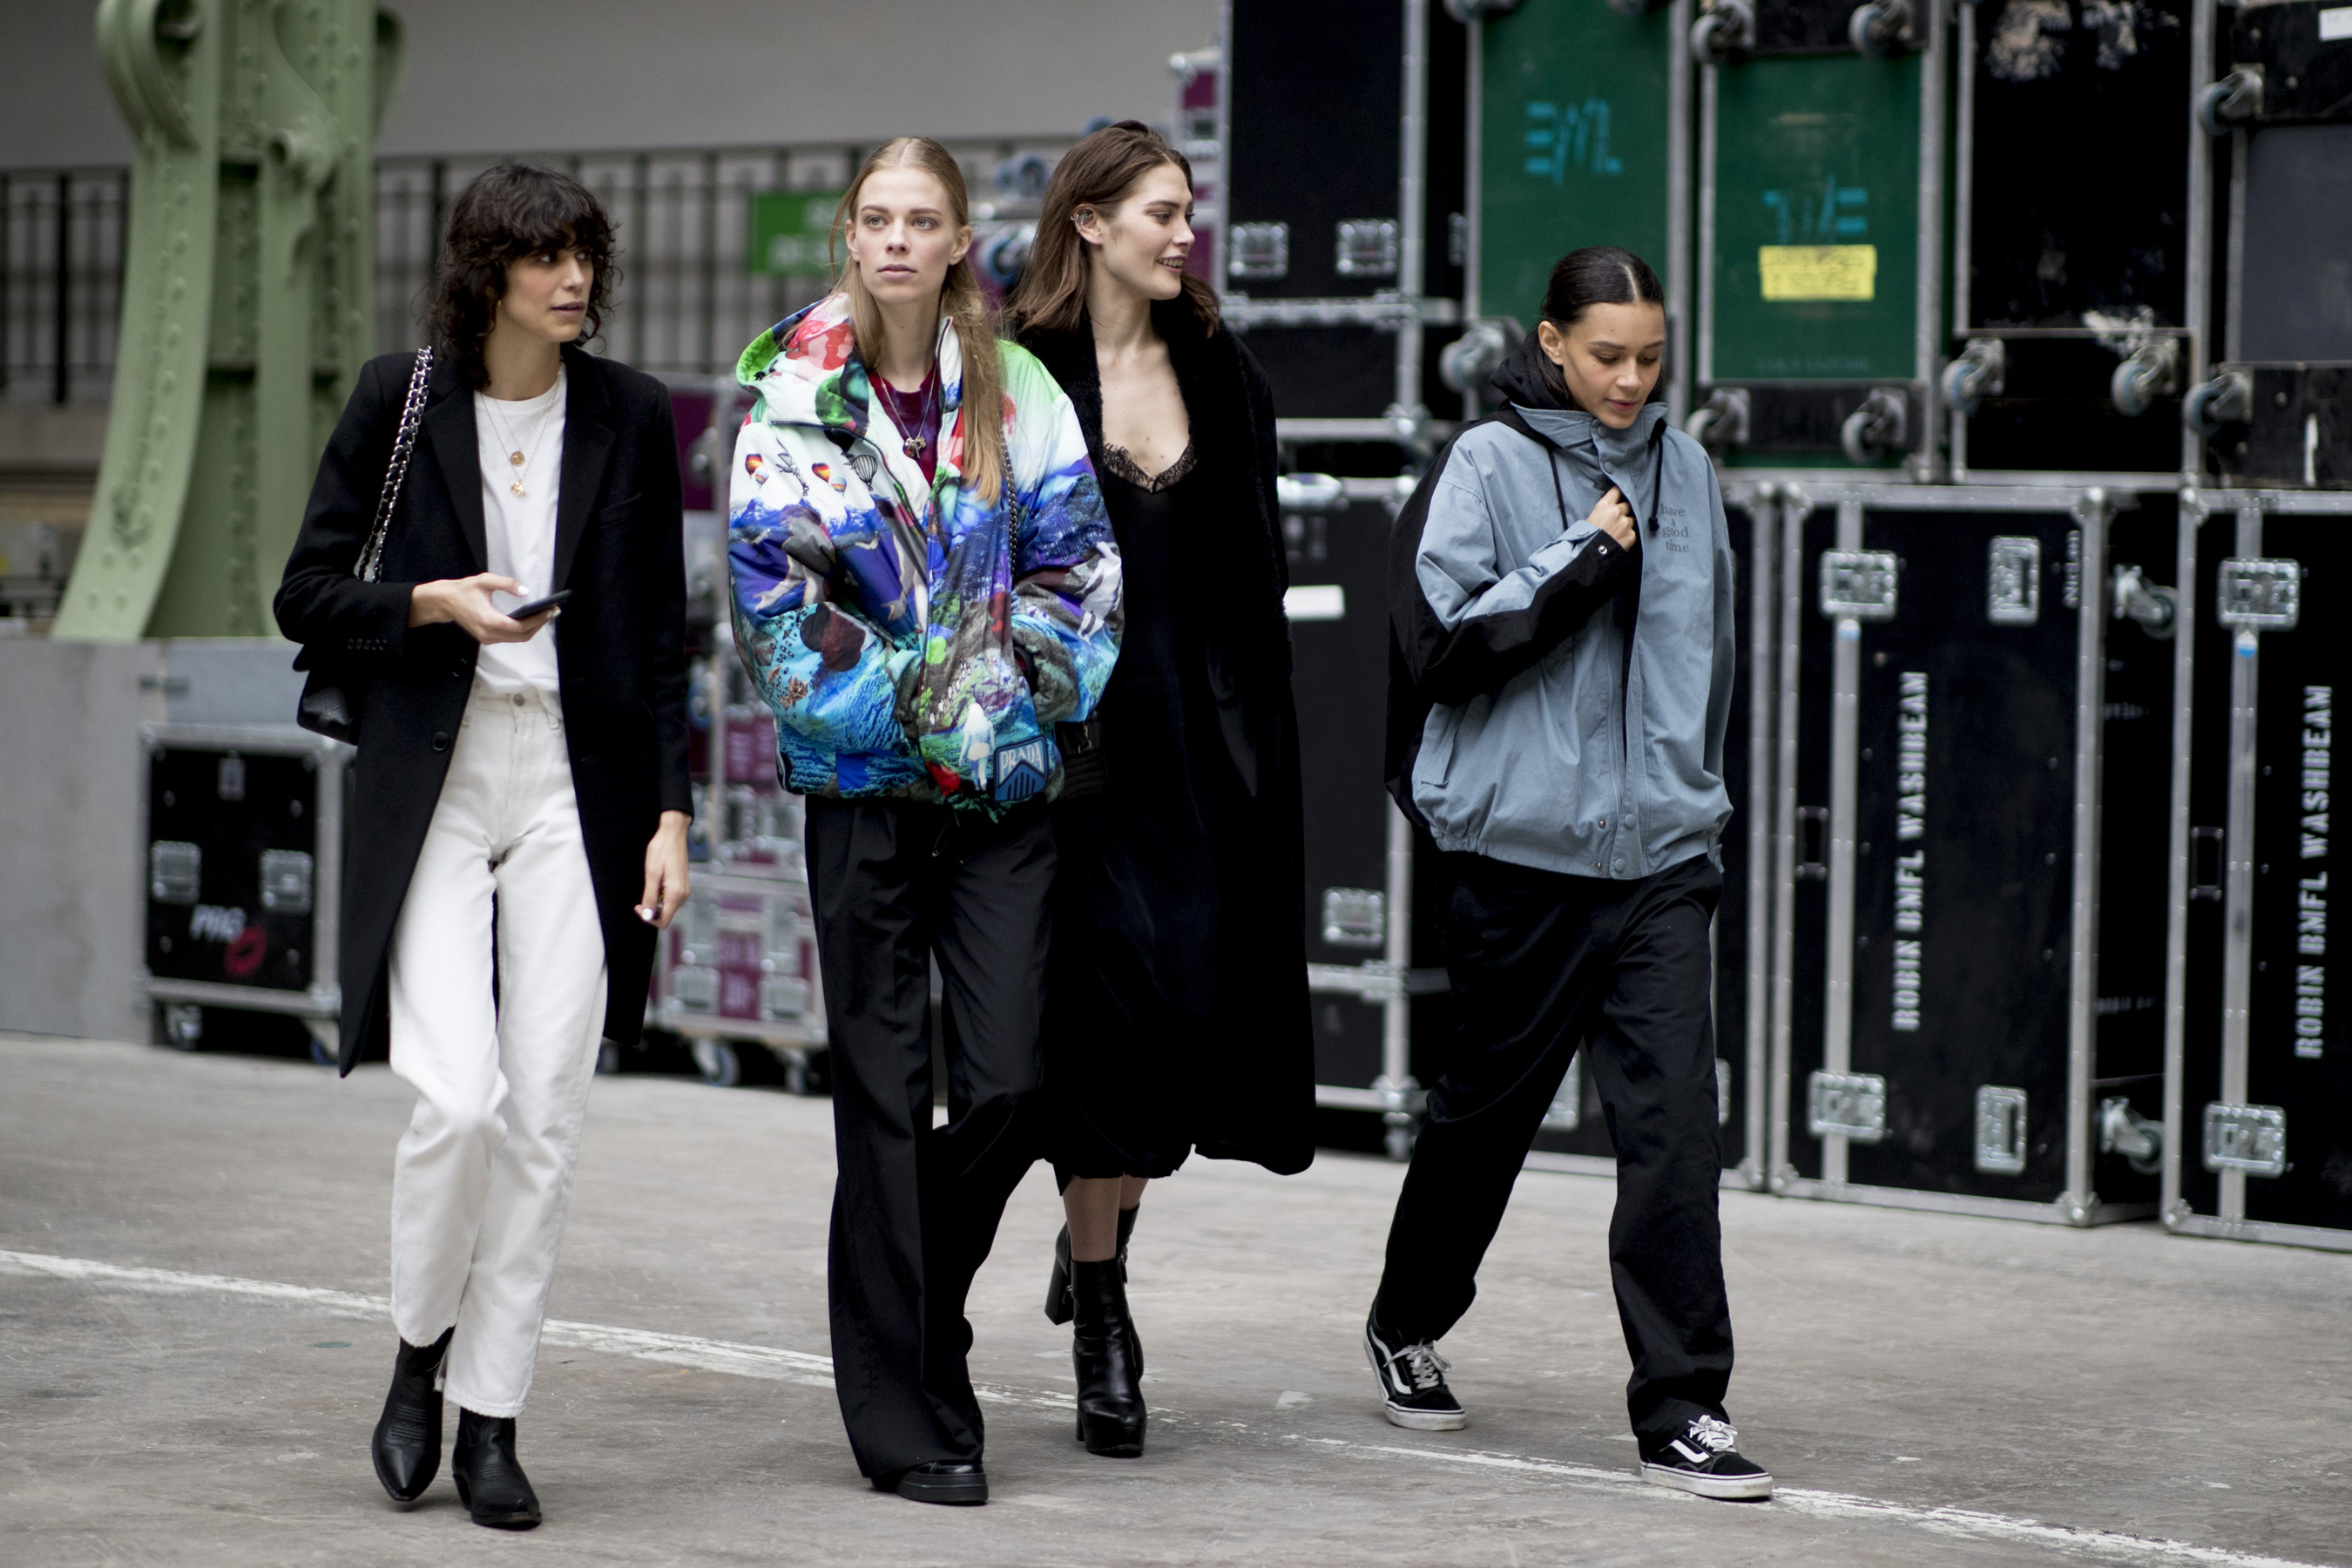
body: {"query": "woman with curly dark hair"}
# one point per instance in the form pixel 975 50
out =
pixel 520 789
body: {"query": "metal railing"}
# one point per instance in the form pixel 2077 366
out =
pixel 689 298
pixel 688 303
pixel 61 249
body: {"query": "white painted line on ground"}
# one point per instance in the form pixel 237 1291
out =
pixel 816 1371
pixel 675 1349
pixel 2099 1544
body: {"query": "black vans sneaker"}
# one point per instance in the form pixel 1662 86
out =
pixel 1701 1459
pixel 1413 1382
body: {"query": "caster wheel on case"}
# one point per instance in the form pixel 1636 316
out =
pixel 718 1061
pixel 608 1059
pixel 182 1026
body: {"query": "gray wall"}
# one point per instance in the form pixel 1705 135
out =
pixel 73 851
pixel 70 855
pixel 527 76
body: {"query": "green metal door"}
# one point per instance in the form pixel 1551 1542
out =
pixel 1820 277
pixel 1573 128
pixel 1816 219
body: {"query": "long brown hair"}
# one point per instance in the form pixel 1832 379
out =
pixel 961 300
pixel 1098 172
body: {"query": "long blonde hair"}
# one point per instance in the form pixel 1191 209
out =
pixel 961 300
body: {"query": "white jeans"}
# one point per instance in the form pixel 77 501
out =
pixel 501 1067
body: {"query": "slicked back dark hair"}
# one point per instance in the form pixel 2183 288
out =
pixel 1597 275
pixel 503 216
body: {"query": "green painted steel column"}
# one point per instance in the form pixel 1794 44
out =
pixel 248 299
pixel 163 62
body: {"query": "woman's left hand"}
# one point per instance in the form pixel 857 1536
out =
pixel 665 884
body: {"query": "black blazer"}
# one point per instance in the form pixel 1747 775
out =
pixel 619 645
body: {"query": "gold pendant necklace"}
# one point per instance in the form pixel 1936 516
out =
pixel 516 456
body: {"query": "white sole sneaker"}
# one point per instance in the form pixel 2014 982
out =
pixel 1725 1489
pixel 1427 1420
pixel 1405 1414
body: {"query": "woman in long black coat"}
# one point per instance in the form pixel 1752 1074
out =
pixel 1176 1009
pixel 518 826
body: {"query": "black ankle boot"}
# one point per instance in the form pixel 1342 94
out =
pixel 1057 1287
pixel 1109 1363
pixel 407 1443
pixel 490 1481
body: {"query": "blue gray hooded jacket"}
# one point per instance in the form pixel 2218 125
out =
pixel 1557 701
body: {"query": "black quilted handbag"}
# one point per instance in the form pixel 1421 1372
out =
pixel 333 691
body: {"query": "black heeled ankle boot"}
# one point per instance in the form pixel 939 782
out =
pixel 1057 1287
pixel 1109 1359
pixel 490 1481
pixel 407 1443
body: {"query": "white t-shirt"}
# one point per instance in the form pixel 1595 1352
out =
pixel 518 531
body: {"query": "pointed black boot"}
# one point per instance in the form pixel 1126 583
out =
pixel 1108 1359
pixel 490 1481
pixel 1057 1287
pixel 407 1443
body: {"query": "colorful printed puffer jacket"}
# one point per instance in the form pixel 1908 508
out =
pixel 914 643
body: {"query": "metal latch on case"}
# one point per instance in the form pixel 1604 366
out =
pixel 2259 595
pixel 1259 251
pixel 2248 1137
pixel 1849 1104
pixel 1355 917
pixel 2000 1129
pixel 1858 584
pixel 2013 581
pixel 1367 247
pixel 175 871
pixel 286 882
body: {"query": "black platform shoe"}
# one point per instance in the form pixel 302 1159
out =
pixel 1057 1287
pixel 956 1483
pixel 1108 1358
pixel 407 1443
pixel 490 1481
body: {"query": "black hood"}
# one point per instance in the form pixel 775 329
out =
pixel 1526 378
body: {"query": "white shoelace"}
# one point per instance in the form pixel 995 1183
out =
pixel 1424 1368
pixel 1715 1435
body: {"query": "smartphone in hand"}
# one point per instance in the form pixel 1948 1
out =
pixel 538 606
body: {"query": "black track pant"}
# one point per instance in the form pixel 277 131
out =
pixel 1540 960
pixel 915 1208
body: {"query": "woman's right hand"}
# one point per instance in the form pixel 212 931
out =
pixel 1612 517
pixel 467 601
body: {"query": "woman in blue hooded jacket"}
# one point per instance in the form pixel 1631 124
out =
pixel 1563 650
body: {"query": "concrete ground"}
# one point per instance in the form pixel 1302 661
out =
pixel 193 1349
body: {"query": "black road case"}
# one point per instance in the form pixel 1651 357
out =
pixel 2071 223
pixel 2258 1103
pixel 1343 143
pixel 244 838
pixel 1966 992
pixel 1359 854
pixel 2277 409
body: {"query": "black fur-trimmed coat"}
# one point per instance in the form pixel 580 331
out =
pixel 1249 1089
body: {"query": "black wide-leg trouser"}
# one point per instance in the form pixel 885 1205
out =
pixel 915 1207
pixel 1539 962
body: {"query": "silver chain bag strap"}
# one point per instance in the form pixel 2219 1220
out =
pixel 329 705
